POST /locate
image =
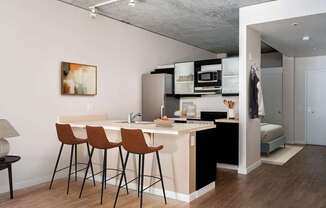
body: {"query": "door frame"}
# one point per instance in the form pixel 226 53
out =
pixel 307 139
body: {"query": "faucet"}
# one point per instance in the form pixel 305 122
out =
pixel 132 116
pixel 162 111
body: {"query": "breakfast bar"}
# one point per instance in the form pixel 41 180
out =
pixel 178 157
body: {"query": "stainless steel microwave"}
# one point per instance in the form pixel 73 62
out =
pixel 208 77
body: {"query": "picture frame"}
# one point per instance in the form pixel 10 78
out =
pixel 78 79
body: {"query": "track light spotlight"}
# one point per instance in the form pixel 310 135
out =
pixel 132 3
pixel 93 12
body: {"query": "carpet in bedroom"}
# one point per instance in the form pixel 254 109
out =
pixel 282 155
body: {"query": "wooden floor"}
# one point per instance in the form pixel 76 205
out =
pixel 299 183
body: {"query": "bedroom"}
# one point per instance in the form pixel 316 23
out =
pixel 293 79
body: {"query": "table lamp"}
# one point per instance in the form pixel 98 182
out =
pixel 6 131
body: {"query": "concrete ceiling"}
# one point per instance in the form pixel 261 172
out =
pixel 287 38
pixel 209 24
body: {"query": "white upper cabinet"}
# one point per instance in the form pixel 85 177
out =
pixel 230 66
pixel 184 78
pixel 230 76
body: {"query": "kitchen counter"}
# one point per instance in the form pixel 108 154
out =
pixel 185 147
pixel 147 127
pixel 225 120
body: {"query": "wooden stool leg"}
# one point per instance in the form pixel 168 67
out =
pixel 159 167
pixel 142 180
pixel 71 154
pixel 119 187
pixel 56 166
pixel 88 164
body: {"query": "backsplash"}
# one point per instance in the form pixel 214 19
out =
pixel 210 103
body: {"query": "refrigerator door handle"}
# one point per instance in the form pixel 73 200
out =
pixel 162 111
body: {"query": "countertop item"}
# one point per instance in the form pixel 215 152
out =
pixel 164 123
pixel 147 127
pixel 225 120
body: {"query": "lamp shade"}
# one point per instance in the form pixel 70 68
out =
pixel 7 130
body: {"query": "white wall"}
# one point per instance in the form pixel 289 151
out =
pixel 272 86
pixel 249 131
pixel 302 65
pixel 273 59
pixel 36 35
pixel 288 98
pixel 280 9
pixel 210 103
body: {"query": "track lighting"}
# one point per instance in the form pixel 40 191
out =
pixel 132 3
pixel 93 9
pixel 93 12
pixel 306 38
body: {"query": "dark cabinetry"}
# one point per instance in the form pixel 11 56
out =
pixel 205 158
pixel 227 145
pixel 218 145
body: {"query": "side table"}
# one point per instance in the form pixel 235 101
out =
pixel 6 162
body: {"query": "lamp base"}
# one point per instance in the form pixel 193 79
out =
pixel 4 148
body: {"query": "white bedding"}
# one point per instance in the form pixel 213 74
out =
pixel 270 131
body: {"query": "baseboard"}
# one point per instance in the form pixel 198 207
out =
pixel 245 171
pixel 133 186
pixel 169 194
pixel 28 183
pixel 202 191
pixel 227 166
pixel 300 142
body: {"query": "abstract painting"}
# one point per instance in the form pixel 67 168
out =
pixel 78 79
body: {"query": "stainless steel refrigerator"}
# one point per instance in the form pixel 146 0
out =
pixel 158 96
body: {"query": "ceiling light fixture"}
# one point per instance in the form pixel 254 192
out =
pixel 306 37
pixel 93 12
pixel 93 9
pixel 132 3
pixel 295 24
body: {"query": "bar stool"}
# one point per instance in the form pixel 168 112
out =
pixel 98 139
pixel 67 137
pixel 133 141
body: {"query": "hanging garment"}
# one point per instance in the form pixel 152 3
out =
pixel 256 101
pixel 253 94
pixel 261 107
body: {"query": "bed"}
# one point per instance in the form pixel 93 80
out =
pixel 272 137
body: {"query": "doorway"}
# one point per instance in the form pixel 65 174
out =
pixel 315 107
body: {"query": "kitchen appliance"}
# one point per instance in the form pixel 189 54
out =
pixel 158 97
pixel 208 76
pixel 184 78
